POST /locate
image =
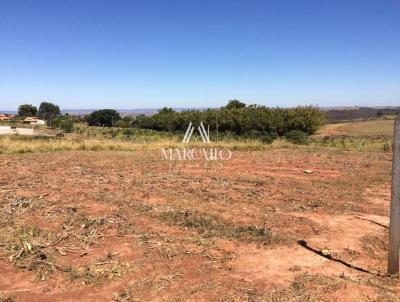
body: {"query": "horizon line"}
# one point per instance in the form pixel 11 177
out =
pixel 194 108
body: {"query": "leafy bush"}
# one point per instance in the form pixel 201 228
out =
pixel 128 132
pixel 125 122
pixel 297 137
pixel 269 137
pixel 67 125
pixel 105 117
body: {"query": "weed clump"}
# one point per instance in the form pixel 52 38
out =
pixel 213 226
pixel 27 250
pixel 98 273
pixel 297 137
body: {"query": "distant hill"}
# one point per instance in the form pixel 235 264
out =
pixel 335 115
pixel 125 112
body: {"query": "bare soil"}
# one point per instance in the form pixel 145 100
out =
pixel 129 226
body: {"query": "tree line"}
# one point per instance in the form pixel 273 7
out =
pixel 235 118
pixel 239 119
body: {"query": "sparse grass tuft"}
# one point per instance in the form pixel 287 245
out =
pixel 213 226
pixel 307 287
pixel 27 249
pixel 7 298
pixel 99 272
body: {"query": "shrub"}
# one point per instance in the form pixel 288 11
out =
pixel 67 125
pixel 120 124
pixel 105 117
pixel 297 137
pixel 128 132
pixel 387 147
pixel 269 137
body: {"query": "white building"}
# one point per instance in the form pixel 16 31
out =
pixel 34 121
pixel 7 130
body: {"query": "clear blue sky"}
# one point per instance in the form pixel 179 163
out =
pixel 149 54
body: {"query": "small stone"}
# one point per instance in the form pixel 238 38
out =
pixel 326 252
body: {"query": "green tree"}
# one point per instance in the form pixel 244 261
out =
pixel 48 111
pixel 27 110
pixel 235 104
pixel 104 117
pixel 165 119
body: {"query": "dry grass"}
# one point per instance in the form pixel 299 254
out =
pixel 19 145
pixel 370 136
pixel 381 127
pixel 299 290
pixel 364 144
pixel 212 226
pixel 15 144
pixel 373 135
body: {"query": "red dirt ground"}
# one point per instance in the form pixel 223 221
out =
pixel 125 226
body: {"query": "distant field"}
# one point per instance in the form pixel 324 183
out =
pixel 368 128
